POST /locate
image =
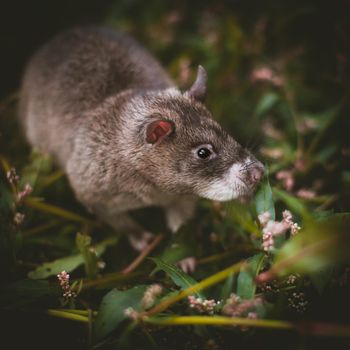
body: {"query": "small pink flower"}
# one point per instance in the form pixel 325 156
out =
pixel 287 216
pixel 184 70
pixel 305 193
pixel 266 74
pixel 18 218
pixel 202 305
pixel 152 292
pixel 252 315
pixel 294 229
pixel 276 228
pixel 12 177
pixel 272 228
pixel 274 153
pixel 291 279
pixel 287 178
pixel 306 125
pixel 264 218
pixel 288 219
pixel 68 293
pixel 25 193
pixel 268 243
pixel 270 130
pixel 131 313
pixel 236 307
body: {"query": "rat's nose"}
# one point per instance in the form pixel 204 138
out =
pixel 257 172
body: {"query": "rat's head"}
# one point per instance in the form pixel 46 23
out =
pixel 181 149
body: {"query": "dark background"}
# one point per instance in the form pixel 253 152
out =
pixel 323 26
pixel 25 25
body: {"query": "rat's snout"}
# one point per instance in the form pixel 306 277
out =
pixel 256 172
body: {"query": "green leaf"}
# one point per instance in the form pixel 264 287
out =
pixel 242 216
pixel 182 245
pixel 246 285
pixel 228 286
pixel 175 252
pixel 264 201
pixel 112 309
pixel 266 103
pixel 68 263
pixel 180 278
pixel 293 203
pixel 89 254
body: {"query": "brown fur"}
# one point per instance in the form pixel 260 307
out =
pixel 88 97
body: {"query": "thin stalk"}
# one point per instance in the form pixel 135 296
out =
pixel 219 321
pixel 68 315
pixel 52 209
pixel 79 312
pixel 227 253
pixel 50 179
pixel 216 278
pixel 327 203
pixel 305 328
pixel 40 228
pixel 143 255
pixel 109 278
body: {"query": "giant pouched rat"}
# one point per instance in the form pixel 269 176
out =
pixel 126 137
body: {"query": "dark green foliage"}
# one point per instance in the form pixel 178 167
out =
pixel 112 309
pixel 279 82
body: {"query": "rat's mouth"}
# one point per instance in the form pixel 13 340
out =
pixel 231 186
pixel 245 193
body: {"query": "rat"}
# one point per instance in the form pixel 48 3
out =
pixel 110 116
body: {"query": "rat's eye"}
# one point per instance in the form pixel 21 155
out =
pixel 203 152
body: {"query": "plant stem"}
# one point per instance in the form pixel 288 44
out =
pixel 41 228
pixel 112 277
pixel 52 209
pixel 79 312
pixel 227 253
pixel 50 179
pixel 219 321
pixel 143 255
pixel 68 315
pixel 306 328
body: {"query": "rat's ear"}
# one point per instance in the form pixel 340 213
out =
pixel 198 90
pixel 158 130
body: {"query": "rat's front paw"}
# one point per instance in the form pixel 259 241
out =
pixel 139 241
pixel 187 265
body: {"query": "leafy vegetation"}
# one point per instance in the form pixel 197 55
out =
pixel 274 271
